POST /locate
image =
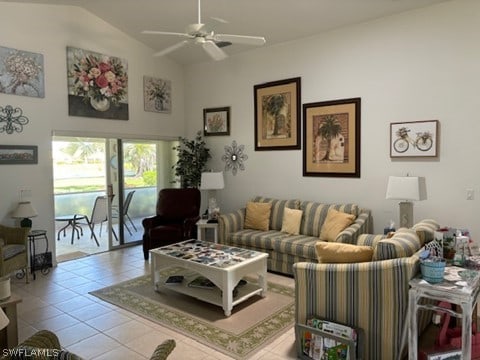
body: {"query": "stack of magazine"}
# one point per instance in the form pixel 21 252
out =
pixel 321 346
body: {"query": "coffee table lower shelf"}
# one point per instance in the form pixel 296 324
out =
pixel 212 296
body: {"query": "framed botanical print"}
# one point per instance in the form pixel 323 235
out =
pixel 277 115
pixel 216 121
pixel 331 138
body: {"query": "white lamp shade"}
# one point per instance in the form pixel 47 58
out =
pixel 24 210
pixel 212 181
pixel 406 188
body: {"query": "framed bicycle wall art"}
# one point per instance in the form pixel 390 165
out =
pixel 414 139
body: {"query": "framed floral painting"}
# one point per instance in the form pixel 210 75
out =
pixel 97 85
pixel 216 121
pixel 21 73
pixel 157 95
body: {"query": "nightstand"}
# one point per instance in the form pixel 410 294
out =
pixel 202 224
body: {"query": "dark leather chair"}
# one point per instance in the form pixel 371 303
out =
pixel 177 214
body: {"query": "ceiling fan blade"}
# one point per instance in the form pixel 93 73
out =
pixel 213 50
pixel 171 48
pixel 153 32
pixel 240 39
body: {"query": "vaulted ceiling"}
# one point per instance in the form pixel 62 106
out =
pixel 277 20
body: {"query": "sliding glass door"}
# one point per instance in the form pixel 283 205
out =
pixel 126 172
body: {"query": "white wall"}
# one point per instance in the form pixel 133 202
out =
pixel 49 30
pixel 421 65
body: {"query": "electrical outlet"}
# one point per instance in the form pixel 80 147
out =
pixel 470 194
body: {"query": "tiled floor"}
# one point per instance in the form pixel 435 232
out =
pixel 95 329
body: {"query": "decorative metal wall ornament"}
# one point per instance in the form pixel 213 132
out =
pixel 13 119
pixel 234 157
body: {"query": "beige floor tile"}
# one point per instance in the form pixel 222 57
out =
pixel 121 353
pixel 73 304
pixel 90 311
pixel 75 333
pixel 56 323
pixel 36 315
pixel 93 346
pixel 128 331
pixel 108 321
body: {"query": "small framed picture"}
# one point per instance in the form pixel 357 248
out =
pixel 414 139
pixel 18 154
pixel 216 121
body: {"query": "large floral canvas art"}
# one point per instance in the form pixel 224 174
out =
pixel 157 94
pixel 21 73
pixel 97 85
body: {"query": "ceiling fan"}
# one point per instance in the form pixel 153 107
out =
pixel 211 42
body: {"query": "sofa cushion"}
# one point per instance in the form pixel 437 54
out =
pixel 342 253
pixel 250 238
pixel 335 222
pixel 257 216
pixel 403 243
pixel 298 245
pixel 314 215
pixel 278 206
pixel 291 221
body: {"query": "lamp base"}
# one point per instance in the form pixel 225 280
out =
pixel 406 214
pixel 26 223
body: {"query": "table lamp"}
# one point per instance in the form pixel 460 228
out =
pixel 4 320
pixel 406 188
pixel 212 181
pixel 25 211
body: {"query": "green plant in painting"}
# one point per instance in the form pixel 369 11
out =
pixel 328 130
pixel 192 159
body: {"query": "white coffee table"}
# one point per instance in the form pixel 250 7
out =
pixel 223 265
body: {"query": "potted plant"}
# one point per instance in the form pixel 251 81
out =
pixel 192 158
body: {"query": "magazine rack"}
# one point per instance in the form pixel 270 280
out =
pixel 355 348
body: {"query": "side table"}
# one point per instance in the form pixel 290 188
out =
pixel 454 290
pixel 43 266
pixel 9 335
pixel 202 224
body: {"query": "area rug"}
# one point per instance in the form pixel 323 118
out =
pixel 253 324
pixel 71 256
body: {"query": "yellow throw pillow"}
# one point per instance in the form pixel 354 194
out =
pixel 291 221
pixel 257 216
pixel 329 253
pixel 335 222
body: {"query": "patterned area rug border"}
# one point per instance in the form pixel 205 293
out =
pixel 239 346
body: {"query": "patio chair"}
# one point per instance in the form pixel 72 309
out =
pixel 99 216
pixel 126 206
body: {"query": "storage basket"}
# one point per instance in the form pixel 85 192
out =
pixel 432 271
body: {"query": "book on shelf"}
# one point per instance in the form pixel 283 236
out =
pixel 174 280
pixel 202 283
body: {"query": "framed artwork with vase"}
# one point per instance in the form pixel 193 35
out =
pixel 97 85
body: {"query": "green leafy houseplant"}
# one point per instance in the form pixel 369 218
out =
pixel 192 159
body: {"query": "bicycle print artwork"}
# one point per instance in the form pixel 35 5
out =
pixel 414 139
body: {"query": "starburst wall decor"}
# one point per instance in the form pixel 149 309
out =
pixel 234 157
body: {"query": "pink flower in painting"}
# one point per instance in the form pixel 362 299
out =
pixel 99 77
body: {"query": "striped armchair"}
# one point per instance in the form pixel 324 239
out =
pixel 372 296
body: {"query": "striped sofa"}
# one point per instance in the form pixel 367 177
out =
pixel 372 296
pixel 283 249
